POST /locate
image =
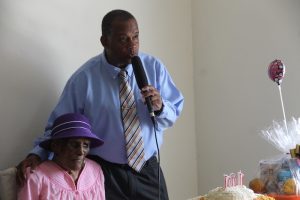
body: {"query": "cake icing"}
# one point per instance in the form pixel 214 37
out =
pixel 239 192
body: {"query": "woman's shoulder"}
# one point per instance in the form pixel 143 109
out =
pixel 39 173
pixel 50 170
pixel 47 166
pixel 92 164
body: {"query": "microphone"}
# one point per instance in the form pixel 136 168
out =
pixel 141 80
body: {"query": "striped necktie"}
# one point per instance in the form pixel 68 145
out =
pixel 131 124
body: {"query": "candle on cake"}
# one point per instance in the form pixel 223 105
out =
pixel 233 179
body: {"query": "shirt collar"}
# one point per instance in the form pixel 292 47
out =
pixel 113 70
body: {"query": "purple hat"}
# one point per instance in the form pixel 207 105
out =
pixel 72 125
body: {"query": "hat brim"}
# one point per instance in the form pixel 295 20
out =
pixel 95 141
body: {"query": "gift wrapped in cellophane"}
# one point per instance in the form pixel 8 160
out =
pixel 280 175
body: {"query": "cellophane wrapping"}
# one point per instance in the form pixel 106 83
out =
pixel 281 173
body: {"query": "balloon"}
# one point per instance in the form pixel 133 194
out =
pixel 276 71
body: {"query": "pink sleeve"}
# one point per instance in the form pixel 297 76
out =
pixel 32 187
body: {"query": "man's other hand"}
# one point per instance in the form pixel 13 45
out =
pixel 31 161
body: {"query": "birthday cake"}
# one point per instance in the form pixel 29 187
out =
pixel 234 189
pixel 239 192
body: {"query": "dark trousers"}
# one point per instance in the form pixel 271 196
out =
pixel 123 183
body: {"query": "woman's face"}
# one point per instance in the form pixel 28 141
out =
pixel 70 153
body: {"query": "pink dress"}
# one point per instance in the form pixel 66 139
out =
pixel 49 181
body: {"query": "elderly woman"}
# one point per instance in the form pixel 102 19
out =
pixel 69 175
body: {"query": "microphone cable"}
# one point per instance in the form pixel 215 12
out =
pixel 158 155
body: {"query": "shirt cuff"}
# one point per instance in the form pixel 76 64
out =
pixel 165 110
pixel 158 112
pixel 42 153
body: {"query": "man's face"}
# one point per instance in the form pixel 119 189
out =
pixel 70 153
pixel 123 42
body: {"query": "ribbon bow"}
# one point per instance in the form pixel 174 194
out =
pixel 295 153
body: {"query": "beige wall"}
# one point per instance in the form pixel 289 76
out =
pixel 217 49
pixel 44 42
pixel 234 42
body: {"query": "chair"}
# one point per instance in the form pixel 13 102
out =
pixel 8 186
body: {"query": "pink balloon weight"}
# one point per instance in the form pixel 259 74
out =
pixel 276 71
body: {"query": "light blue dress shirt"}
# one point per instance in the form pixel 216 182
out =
pixel 93 90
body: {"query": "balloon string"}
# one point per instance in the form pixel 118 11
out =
pixel 284 118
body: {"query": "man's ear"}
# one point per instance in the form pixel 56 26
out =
pixel 103 41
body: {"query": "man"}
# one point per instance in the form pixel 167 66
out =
pixel 94 90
